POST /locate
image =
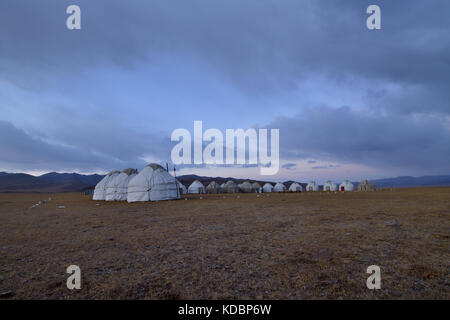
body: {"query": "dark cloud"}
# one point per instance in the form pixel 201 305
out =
pixel 289 166
pixel 21 151
pixel 418 143
pixel 264 50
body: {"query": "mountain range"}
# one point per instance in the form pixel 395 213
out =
pixel 54 182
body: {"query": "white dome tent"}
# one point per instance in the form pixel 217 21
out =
pixel 213 187
pixel 346 186
pixel 295 187
pixel 330 186
pixel 312 186
pixel 246 187
pixel 117 187
pixel 196 187
pixel 279 187
pixel 256 187
pixel 230 187
pixel 153 183
pixel 100 188
pixel 268 187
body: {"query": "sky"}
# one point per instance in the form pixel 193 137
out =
pixel 350 103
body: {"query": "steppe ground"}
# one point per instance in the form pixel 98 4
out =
pixel 275 246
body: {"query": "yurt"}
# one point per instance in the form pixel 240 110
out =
pixel 153 183
pixel 279 187
pixel 346 186
pixel 222 186
pixel 182 188
pixel 366 186
pixel 312 186
pixel 295 187
pixel 213 187
pixel 117 188
pixel 100 188
pixel 268 187
pixel 256 187
pixel 330 186
pixel 196 187
pixel 230 187
pixel 246 187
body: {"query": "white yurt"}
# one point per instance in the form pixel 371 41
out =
pixel 268 187
pixel 100 188
pixel 153 183
pixel 346 186
pixel 279 187
pixel 312 186
pixel 182 188
pixel 213 187
pixel 256 187
pixel 295 187
pixel 365 185
pixel 196 187
pixel 230 187
pixel 222 186
pixel 246 187
pixel 330 186
pixel 117 187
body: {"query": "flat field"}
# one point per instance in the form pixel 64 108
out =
pixel 275 246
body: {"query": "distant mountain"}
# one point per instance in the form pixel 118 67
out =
pixel 406 181
pixel 69 182
pixel 50 182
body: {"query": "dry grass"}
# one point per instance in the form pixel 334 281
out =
pixel 276 246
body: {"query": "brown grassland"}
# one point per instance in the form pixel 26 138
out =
pixel 276 246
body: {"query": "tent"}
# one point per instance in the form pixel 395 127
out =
pixel 279 187
pixel 268 187
pixel 312 186
pixel 100 188
pixel 365 185
pixel 346 186
pixel 330 186
pixel 117 187
pixel 196 187
pixel 256 187
pixel 246 187
pixel 295 187
pixel 182 188
pixel 213 187
pixel 230 187
pixel 153 183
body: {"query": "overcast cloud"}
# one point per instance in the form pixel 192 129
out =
pixel 108 96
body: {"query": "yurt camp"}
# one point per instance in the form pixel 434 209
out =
pixel 153 183
pixel 330 186
pixel 346 186
pixel 100 188
pixel 196 187
pixel 213 187
pixel 312 186
pixel 230 187
pixel 246 187
pixel 268 187
pixel 365 185
pixel 256 187
pixel 295 187
pixel 279 187
pixel 117 187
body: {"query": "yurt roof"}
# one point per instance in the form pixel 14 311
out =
pixel 130 171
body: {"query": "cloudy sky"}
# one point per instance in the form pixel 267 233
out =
pixel 349 102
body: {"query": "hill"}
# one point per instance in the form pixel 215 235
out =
pixel 50 182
